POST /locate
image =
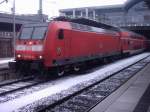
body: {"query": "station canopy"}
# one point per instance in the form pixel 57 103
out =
pixel 130 3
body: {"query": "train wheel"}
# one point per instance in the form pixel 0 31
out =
pixel 76 68
pixel 60 71
pixel 105 60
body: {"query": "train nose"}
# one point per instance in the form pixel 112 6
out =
pixel 30 50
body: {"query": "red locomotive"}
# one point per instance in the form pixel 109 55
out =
pixel 64 43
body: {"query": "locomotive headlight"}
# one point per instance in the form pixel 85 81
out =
pixel 37 48
pixel 30 43
pixel 40 57
pixel 19 56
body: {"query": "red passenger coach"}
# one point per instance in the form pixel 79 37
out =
pixel 148 45
pixel 132 43
pixel 64 43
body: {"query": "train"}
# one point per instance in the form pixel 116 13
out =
pixel 69 43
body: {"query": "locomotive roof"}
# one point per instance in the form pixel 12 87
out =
pixel 88 22
pixel 36 24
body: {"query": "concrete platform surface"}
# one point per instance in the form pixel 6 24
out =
pixel 126 99
pixel 4 62
pixel 144 103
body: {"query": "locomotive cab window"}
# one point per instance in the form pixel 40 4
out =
pixel 61 34
pixel 26 33
pixel 39 32
pixel 34 31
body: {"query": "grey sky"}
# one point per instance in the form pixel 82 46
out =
pixel 51 7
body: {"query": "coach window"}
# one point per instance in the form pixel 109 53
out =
pixel 128 42
pixel 61 34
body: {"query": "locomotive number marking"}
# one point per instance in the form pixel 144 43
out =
pixel 28 48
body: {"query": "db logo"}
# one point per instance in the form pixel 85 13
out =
pixel 58 51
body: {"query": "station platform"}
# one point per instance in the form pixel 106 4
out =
pixel 133 96
pixel 4 62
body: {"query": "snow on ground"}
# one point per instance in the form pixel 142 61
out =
pixel 5 60
pixel 68 83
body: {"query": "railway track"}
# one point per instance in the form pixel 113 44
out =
pixel 8 87
pixel 89 96
pixel 13 89
pixel 17 85
pixel 12 85
pixel 8 82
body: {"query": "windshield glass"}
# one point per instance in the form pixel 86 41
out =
pixel 39 32
pixel 26 33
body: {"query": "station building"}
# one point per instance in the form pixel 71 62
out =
pixel 112 14
pixel 134 15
